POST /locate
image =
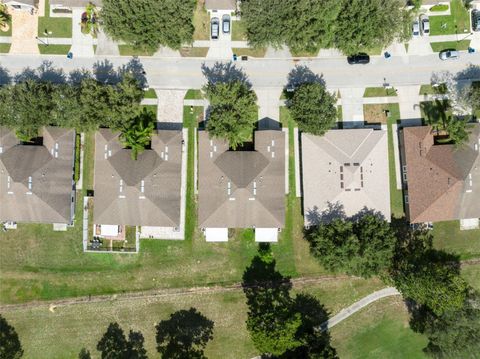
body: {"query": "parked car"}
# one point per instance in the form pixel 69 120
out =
pixel 424 25
pixel 226 24
pixel 358 59
pixel 449 55
pixel 214 28
pixel 415 29
pixel 475 20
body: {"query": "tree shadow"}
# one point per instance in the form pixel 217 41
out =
pixel 334 210
pixel 435 112
pixel 470 72
pixel 104 72
pixel 47 73
pixel 114 344
pixel 25 75
pixel 185 334
pixel 302 74
pixel 78 75
pixel 225 72
pixel 5 78
pixel 136 69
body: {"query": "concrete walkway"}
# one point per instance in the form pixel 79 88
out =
pixel 268 110
pixel 355 307
pixel 82 45
pixel 105 45
pixel 352 107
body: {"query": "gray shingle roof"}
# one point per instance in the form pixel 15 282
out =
pixel 76 3
pixel 36 182
pixel 119 180
pixel 220 5
pixel 346 168
pixel 242 189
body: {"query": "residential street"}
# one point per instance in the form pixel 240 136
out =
pixel 185 73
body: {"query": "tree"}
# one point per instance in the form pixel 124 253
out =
pixel 313 108
pixel 457 129
pixel 4 16
pixel 90 20
pixel 363 247
pixel 10 347
pixel 428 276
pixel 84 354
pixel 233 111
pixel 137 134
pixel 114 344
pixel 473 96
pixel 363 25
pixel 148 24
pixel 184 335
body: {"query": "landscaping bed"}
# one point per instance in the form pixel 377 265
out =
pixel 379 92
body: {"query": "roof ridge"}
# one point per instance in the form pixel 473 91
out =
pixel 357 148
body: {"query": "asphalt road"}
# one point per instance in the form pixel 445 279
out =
pixel 185 73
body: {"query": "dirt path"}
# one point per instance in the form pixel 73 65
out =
pixel 157 293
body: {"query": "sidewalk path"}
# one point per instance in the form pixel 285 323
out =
pixel 355 307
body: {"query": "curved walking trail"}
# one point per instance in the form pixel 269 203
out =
pixel 355 307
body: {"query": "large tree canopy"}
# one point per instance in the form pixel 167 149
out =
pixel 363 247
pixel 10 347
pixel 363 25
pixel 233 111
pixel 313 108
pixel 148 24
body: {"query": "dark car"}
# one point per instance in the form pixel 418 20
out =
pixel 215 28
pixel 475 20
pixel 358 59
pixel 226 24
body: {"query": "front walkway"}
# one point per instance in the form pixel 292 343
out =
pixel 170 107
pixel 24 32
pixel 352 107
pixel 268 109
pixel 82 45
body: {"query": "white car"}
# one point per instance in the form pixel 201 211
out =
pixel 415 29
pixel 424 25
pixel 449 55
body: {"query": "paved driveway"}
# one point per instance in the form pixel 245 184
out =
pixel 268 107
pixel 24 32
pixel 222 47
pixel 105 45
pixel 352 107
pixel 82 45
pixel 170 106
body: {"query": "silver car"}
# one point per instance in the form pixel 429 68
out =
pixel 415 29
pixel 449 55
pixel 424 25
pixel 215 28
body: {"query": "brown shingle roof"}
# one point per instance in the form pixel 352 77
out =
pixel 441 179
pixel 36 181
pixel 242 189
pixel 119 181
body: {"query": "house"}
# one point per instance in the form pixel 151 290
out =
pixel 243 188
pixel 440 182
pixel 36 180
pixel 222 5
pixel 24 5
pixel 70 4
pixel 141 192
pixel 344 172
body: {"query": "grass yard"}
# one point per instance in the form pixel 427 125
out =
pixel 379 92
pixel 239 31
pixel 4 48
pixel 339 113
pixel 129 50
pixel 54 49
pixel 194 51
pixel 201 22
pixel 448 236
pixel 9 30
pixel 63 333
pixel 457 22
pixel 378 331
pixel 472 275
pixel 449 45
pixel 249 52
pixel 304 53
pixel 194 94
pixel 58 26
pixel 150 93
pixel 432 90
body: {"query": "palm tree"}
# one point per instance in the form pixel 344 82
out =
pixel 457 129
pixel 137 134
pixel 4 16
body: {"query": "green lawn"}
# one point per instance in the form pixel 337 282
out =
pixel 430 90
pixel 450 45
pixel 249 52
pixel 9 31
pixel 63 333
pixel 471 273
pixel 448 236
pixel 201 22
pixel 304 53
pixel 239 32
pixel 58 26
pixel 150 93
pixel 396 195
pixel 194 94
pixel 4 48
pixel 457 22
pixel 194 51
pixel 54 49
pixel 379 92
pixel 379 331
pixel 129 50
